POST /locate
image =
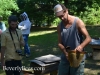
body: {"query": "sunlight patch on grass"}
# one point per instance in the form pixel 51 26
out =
pixel 32 45
pixel 91 72
pixel 54 49
pixel 41 33
pixel 98 63
pixel 2 74
pixel 87 69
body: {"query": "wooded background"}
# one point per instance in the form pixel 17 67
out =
pixel 41 11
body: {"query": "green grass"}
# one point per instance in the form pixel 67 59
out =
pixel 44 41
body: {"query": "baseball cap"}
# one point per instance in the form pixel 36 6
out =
pixel 58 10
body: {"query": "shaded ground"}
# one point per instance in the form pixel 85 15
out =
pixel 44 41
pixel 92 67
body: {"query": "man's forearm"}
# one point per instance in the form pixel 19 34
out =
pixel 86 41
pixel 62 48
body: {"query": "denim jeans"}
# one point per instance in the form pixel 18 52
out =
pixel 26 47
pixel 66 69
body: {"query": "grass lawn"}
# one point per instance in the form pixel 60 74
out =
pixel 44 41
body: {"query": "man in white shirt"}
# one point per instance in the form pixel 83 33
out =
pixel 25 26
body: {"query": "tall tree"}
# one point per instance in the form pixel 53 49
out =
pixel 7 7
pixel 41 11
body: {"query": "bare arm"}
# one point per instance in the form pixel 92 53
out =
pixel 60 45
pixel 82 29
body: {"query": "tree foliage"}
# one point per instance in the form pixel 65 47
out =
pixel 7 7
pixel 41 11
pixel 87 10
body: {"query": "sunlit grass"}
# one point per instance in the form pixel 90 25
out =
pixel 41 33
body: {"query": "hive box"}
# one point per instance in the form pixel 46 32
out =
pixel 95 45
pixel 45 64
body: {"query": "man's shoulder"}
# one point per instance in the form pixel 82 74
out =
pixel 59 25
pixel 75 19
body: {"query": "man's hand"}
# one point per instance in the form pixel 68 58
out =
pixel 79 48
pixel 66 55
